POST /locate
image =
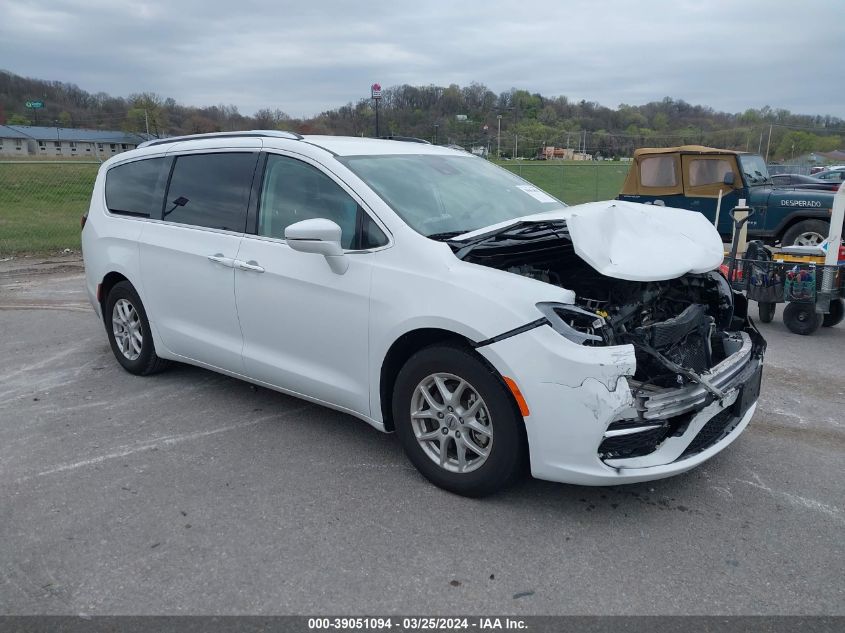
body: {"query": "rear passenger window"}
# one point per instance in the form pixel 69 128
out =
pixel 211 190
pixel 137 188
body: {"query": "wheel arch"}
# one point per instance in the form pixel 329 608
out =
pixel 110 280
pixel 794 218
pixel 398 354
pixel 406 346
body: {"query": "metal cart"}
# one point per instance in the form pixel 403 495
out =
pixel 812 291
pixel 812 284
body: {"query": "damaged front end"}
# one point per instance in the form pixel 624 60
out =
pixel 698 356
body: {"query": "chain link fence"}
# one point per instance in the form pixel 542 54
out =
pixel 41 203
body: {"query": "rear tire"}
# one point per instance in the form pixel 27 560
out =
pixel 129 331
pixel 837 311
pixel 766 311
pixel 801 318
pixel 806 233
pixel 466 434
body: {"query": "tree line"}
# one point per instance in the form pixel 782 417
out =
pixel 512 123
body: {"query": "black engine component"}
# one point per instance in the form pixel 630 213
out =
pixel 684 339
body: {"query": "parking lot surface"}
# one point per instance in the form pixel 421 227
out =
pixel 193 493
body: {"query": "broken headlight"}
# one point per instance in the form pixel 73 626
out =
pixel 578 325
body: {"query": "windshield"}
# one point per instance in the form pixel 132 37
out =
pixel 754 168
pixel 443 196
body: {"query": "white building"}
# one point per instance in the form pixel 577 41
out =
pixel 58 142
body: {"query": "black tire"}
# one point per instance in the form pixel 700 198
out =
pixel 801 318
pixel 508 448
pixel 819 227
pixel 766 311
pixel 147 362
pixel 837 311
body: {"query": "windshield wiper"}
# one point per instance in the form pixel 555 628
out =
pixel 447 235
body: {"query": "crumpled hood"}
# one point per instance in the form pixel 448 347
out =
pixel 633 241
pixel 640 242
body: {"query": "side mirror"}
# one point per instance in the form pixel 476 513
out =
pixel 319 236
pixel 728 179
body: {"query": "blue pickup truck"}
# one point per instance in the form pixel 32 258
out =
pixel 691 177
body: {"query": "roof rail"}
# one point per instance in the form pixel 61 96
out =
pixel 248 133
pixel 407 139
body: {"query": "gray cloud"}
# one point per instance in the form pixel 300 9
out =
pixel 306 59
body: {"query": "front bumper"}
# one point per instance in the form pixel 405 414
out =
pixel 583 409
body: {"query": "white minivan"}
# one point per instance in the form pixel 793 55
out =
pixel 431 293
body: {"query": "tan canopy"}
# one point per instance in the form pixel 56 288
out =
pixel 664 176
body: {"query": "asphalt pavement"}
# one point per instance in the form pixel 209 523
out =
pixel 192 493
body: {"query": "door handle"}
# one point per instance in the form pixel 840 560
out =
pixel 251 265
pixel 220 259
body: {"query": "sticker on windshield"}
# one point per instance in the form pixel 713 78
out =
pixel 535 193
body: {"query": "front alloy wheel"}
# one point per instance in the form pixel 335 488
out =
pixel 451 423
pixel 457 420
pixel 809 238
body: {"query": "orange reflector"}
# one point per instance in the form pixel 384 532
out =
pixel 517 394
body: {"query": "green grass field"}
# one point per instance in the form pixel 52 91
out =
pixel 573 182
pixel 41 202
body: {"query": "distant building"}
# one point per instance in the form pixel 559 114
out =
pixel 59 142
pixel 550 152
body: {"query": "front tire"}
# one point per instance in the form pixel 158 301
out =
pixel 129 331
pixel 806 233
pixel 457 422
pixel 801 318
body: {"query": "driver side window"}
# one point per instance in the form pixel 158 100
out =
pixel 294 191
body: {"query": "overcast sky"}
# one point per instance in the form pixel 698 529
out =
pixel 308 56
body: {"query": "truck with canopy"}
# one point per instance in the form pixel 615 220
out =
pixel 693 177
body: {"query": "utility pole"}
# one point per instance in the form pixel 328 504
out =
pixel 375 94
pixel 499 137
pixel 515 145
pixel 768 144
pixel 146 122
pixel 436 125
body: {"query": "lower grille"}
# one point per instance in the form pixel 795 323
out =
pixel 633 444
pixel 716 428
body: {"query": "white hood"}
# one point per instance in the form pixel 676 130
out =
pixel 637 242
pixel 640 242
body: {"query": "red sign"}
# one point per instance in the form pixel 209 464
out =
pixel 375 89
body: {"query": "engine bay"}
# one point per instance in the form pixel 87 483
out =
pixel 679 328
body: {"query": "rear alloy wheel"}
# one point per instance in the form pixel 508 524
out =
pixel 834 316
pixel 457 421
pixel 129 331
pixel 801 318
pixel 766 311
pixel 806 233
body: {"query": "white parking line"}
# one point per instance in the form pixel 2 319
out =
pixel 159 442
